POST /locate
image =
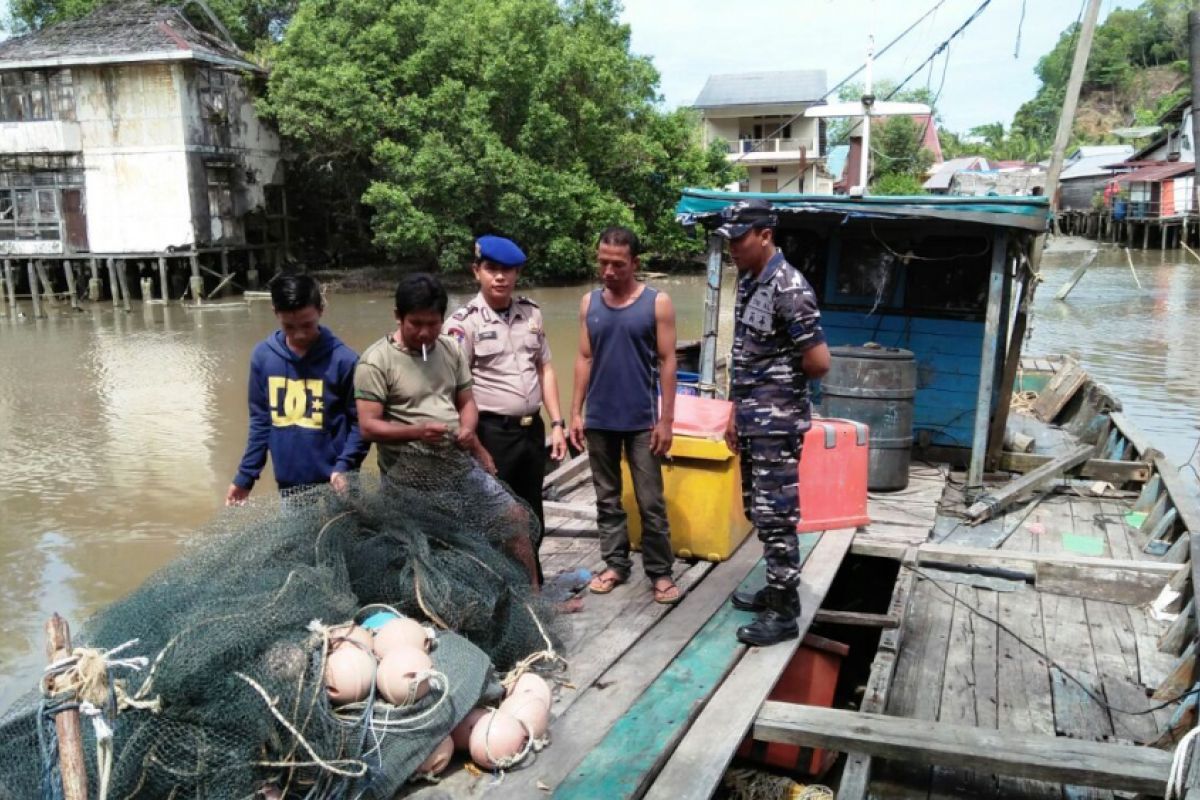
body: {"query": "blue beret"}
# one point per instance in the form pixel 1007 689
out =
pixel 499 250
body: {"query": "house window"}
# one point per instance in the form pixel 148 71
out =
pixel 223 225
pixel 29 212
pixel 31 191
pixel 213 87
pixel 33 95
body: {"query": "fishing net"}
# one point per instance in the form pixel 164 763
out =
pixel 229 696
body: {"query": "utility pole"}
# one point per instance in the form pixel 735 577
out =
pixel 1012 358
pixel 1067 120
pixel 1194 62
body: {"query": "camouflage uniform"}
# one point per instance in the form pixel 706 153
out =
pixel 775 321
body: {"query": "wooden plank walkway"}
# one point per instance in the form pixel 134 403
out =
pixel 660 696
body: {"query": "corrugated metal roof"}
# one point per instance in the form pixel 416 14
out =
pixel 835 159
pixel 1159 172
pixel 1091 166
pixel 1089 150
pixel 947 170
pixel 134 30
pixel 762 88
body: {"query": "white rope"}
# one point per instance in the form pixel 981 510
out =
pixel 382 711
pixel 1179 765
pixel 360 767
pixel 502 764
pixel 557 662
pixel 255 613
pixel 104 746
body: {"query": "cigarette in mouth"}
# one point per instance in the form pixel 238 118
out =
pixel 424 355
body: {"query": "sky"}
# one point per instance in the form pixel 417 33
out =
pixel 690 39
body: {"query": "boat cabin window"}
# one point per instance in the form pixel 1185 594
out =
pixel 932 275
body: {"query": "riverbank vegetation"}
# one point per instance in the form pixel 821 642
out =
pixel 417 125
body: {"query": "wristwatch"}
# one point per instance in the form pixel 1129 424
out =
pixel 558 423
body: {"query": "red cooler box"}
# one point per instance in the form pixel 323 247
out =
pixel 833 475
pixel 809 679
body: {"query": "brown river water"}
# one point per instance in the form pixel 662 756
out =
pixel 119 433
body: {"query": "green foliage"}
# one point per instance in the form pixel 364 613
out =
pixel 1153 34
pixel 897 148
pixel 840 128
pixel 994 143
pixel 249 21
pixel 898 184
pixel 452 118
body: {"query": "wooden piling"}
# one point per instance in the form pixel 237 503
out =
pixel 33 291
pixel 69 274
pixel 163 288
pixel 13 308
pixel 114 288
pixel 225 276
pixel 44 281
pixel 197 280
pixel 124 280
pixel 66 723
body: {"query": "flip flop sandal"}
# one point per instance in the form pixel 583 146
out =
pixel 605 582
pixel 663 595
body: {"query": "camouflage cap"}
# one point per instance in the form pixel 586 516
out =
pixel 745 215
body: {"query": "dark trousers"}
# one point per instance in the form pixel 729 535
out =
pixel 604 455
pixel 520 456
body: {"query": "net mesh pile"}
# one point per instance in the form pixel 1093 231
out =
pixel 233 697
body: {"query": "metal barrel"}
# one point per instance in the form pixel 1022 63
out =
pixel 876 385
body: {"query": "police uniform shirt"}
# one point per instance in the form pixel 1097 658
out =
pixel 504 352
pixel 775 321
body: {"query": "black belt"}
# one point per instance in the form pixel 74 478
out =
pixel 509 421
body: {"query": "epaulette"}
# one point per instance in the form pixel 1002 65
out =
pixel 527 301
pixel 461 314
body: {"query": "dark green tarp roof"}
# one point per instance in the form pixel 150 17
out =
pixel 1027 213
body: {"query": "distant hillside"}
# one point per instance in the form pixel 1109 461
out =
pixel 1136 71
pixel 1149 92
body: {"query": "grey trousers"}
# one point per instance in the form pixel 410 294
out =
pixel 604 455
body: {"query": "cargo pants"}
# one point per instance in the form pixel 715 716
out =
pixel 771 499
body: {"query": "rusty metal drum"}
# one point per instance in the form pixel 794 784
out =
pixel 876 386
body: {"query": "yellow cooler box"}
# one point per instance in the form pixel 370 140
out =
pixel 703 487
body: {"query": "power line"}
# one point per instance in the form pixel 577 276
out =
pixel 844 81
pixel 941 47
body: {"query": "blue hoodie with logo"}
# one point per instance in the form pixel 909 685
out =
pixel 302 411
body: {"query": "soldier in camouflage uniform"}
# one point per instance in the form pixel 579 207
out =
pixel 778 345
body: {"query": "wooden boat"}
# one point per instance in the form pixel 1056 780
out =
pixel 1012 649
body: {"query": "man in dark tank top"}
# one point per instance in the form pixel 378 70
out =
pixel 626 342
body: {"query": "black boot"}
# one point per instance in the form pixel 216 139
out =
pixel 751 601
pixel 776 623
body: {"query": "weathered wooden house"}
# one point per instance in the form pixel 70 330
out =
pixel 132 132
pixel 1085 173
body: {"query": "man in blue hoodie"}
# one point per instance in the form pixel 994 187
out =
pixel 302 408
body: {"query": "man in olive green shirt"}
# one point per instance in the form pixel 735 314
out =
pixel 414 385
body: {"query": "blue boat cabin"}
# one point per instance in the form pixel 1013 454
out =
pixel 926 274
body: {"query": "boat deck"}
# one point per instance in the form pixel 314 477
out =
pixel 659 697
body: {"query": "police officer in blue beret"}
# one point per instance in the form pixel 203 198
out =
pixel 504 340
